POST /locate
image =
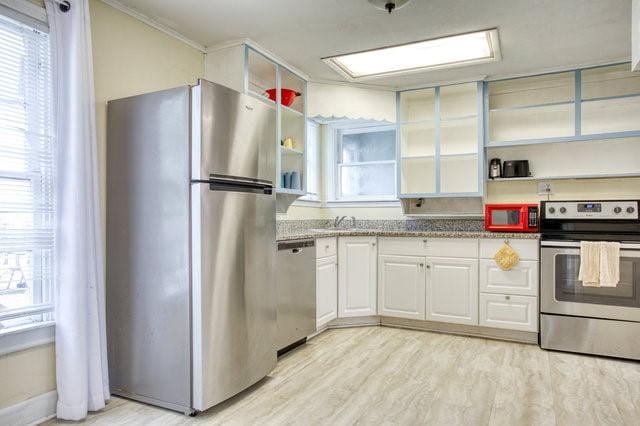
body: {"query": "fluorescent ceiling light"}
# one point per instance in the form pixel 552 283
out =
pixel 444 52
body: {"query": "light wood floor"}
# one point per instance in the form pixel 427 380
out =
pixel 378 375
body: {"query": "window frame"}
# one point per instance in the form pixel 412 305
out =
pixel 24 336
pixel 313 197
pixel 347 129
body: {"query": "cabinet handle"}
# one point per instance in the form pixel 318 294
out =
pixel 424 241
pixel 326 247
pixel 507 297
pixel 373 244
pixel 428 266
pixel 422 265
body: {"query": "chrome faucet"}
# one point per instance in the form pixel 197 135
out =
pixel 338 220
pixel 353 222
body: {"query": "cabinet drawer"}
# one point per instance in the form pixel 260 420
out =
pixel 403 246
pixel 521 280
pixel 452 247
pixel 510 312
pixel 326 247
pixel 526 249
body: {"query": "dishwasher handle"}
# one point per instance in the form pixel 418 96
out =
pixel 296 245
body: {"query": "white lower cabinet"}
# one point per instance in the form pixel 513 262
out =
pixel 326 290
pixel 401 286
pixel 508 311
pixel 452 290
pixel 357 261
pixel 427 279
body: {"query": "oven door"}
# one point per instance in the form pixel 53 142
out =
pixel 562 293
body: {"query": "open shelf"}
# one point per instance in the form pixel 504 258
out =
pixel 290 151
pixel 290 110
pixel 593 176
pixel 459 173
pixel 427 123
pixel 418 105
pixel 290 191
pixel 418 175
pixel 531 106
pixel 459 154
pixel 609 82
pixel 458 100
pixel 597 159
pixel 611 115
pixel 581 138
pixel 550 89
pixel 455 118
pixel 261 73
pixel 417 157
pixel 608 98
pixel 548 122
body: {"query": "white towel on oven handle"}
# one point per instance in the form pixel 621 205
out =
pixel 609 264
pixel 589 272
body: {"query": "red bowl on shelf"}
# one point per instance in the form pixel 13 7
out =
pixel 287 96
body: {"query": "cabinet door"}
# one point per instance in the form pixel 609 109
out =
pixel 356 276
pixel 401 286
pixel 326 290
pixel 452 290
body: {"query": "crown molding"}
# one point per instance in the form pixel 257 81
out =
pixel 155 24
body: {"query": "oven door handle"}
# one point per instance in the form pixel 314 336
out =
pixel 576 244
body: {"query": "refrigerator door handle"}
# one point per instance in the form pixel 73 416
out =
pixel 239 184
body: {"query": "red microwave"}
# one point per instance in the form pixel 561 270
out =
pixel 511 217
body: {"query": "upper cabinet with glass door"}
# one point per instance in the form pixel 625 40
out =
pixel 247 70
pixel 440 141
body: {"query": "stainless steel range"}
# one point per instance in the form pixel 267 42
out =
pixel 577 318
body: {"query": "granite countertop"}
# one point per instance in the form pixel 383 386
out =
pixel 402 233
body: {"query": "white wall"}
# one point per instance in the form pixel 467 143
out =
pixel 26 374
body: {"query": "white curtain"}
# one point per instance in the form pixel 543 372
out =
pixel 81 351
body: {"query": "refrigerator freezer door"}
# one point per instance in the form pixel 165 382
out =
pixel 234 293
pixel 148 245
pixel 233 134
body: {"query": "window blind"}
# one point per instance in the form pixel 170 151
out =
pixel 26 176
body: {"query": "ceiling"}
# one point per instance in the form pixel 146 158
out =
pixel 535 35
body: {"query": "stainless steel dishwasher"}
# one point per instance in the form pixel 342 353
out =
pixel 296 265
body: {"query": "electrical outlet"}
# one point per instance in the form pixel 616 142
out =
pixel 544 188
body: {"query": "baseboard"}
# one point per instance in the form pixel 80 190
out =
pixel 463 330
pixel 33 411
pixel 354 322
pixel 437 327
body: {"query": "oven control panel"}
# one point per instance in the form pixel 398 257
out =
pixel 591 210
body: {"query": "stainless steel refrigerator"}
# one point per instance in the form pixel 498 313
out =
pixel 191 303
